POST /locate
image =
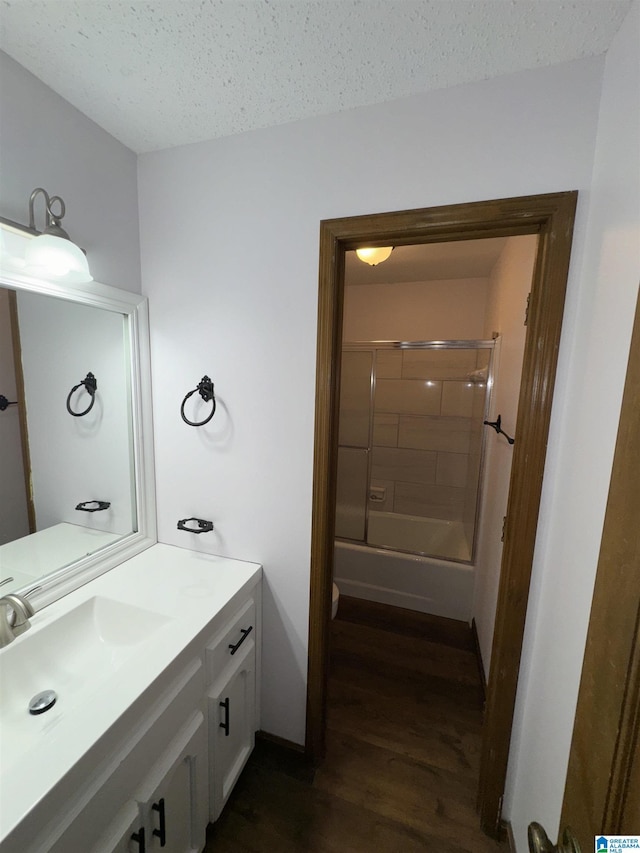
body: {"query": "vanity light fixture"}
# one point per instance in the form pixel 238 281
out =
pixel 374 256
pixel 51 254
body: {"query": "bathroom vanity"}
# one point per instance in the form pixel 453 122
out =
pixel 152 651
pixel 154 664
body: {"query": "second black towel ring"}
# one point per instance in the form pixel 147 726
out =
pixel 205 389
pixel 91 384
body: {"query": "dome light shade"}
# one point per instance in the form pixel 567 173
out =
pixel 50 254
pixel 374 256
pixel 58 258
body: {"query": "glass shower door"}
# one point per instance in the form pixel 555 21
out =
pixel 410 445
pixel 428 410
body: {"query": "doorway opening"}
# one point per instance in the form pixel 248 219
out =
pixel 550 217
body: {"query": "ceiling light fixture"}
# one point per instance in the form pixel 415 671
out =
pixel 374 256
pixel 51 254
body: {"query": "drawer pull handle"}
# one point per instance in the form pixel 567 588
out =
pixel 225 725
pixel 162 832
pixel 245 633
pixel 139 837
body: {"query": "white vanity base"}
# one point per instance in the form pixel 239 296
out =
pixel 153 736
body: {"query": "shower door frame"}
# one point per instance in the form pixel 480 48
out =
pixel 373 347
pixel 551 216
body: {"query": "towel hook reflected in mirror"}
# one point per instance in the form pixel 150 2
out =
pixel 90 384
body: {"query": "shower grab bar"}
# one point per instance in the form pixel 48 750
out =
pixel 497 425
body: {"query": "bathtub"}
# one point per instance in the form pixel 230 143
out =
pixel 434 537
pixel 424 583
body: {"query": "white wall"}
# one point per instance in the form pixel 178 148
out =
pixel 604 286
pixel 45 142
pixel 75 459
pixel 232 280
pixel 509 284
pixel 449 309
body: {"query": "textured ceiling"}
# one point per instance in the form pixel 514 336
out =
pixel 159 74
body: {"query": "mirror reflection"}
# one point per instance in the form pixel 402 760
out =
pixel 67 484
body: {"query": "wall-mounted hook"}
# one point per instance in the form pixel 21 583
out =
pixel 497 425
pixel 90 384
pixel 205 389
pixel 199 525
pixel 4 403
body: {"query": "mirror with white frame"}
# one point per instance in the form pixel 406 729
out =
pixel 77 490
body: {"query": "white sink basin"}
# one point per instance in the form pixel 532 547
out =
pixel 74 655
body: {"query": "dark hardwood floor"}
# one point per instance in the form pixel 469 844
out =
pixel 403 747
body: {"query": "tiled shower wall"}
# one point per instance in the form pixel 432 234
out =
pixel 427 432
pixel 422 430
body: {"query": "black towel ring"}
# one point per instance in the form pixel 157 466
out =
pixel 90 383
pixel 205 389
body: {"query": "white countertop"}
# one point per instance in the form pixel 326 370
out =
pixel 185 590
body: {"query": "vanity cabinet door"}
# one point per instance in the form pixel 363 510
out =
pixel 231 728
pixel 173 798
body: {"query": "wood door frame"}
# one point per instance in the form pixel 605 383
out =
pixel 551 217
pixel 603 777
pixel 14 322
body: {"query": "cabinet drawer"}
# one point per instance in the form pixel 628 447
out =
pixel 235 637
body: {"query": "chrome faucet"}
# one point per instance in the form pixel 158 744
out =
pixel 14 617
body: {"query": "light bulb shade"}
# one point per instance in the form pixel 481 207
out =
pixel 47 256
pixel 374 256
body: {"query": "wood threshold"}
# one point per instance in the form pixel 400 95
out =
pixel 551 216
